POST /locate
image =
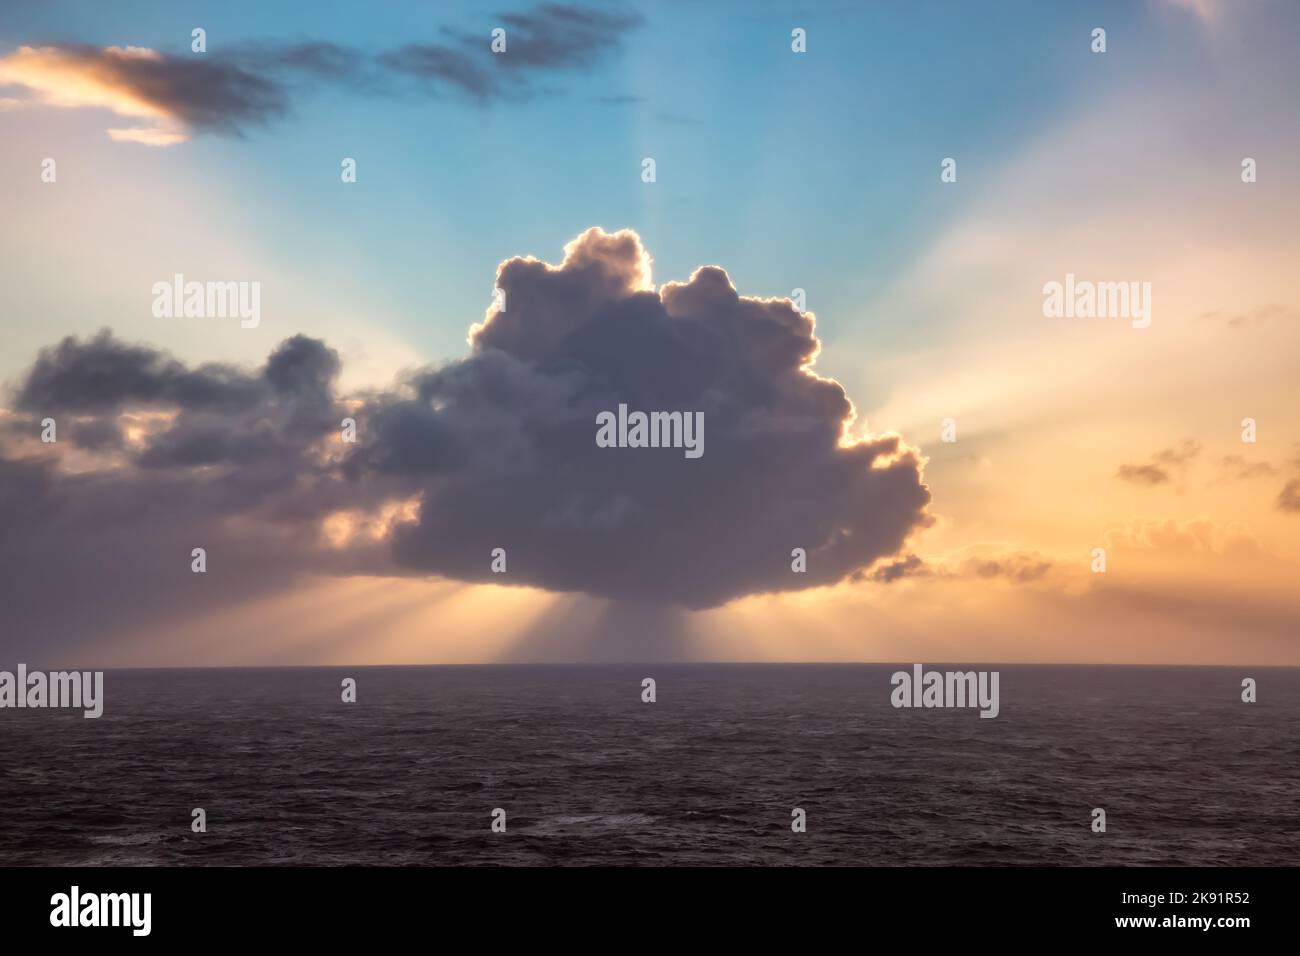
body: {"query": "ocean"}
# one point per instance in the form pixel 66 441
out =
pixel 707 775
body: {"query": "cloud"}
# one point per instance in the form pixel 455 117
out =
pixel 438 62
pixel 1142 474
pixel 176 94
pixel 1180 455
pixel 551 38
pixel 1237 468
pixel 556 36
pixel 247 85
pixel 1017 568
pixel 1288 499
pixel 316 59
pixel 1012 567
pixel 502 444
pixel 1197 536
pixel 1157 472
pixel 155 456
pixel 106 374
pixel 889 571
pixel 153 459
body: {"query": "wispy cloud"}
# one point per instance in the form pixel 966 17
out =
pixel 1237 468
pixel 552 38
pixel 556 36
pixel 1163 467
pixel 1260 314
pixel 253 84
pixel 979 563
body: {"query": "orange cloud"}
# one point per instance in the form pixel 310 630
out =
pixel 73 78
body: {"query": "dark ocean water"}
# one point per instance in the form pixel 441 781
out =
pixel 588 774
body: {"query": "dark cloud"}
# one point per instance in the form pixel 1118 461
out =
pixel 555 36
pixel 502 444
pixel 227 90
pixel 1237 468
pixel 1179 455
pixel 458 68
pixel 216 415
pixel 98 434
pixel 232 88
pixel 1162 466
pixel 498 449
pixel 204 92
pixel 1016 568
pixel 105 374
pixel 551 38
pixel 232 460
pixel 1020 567
pixel 1142 474
pixel 906 567
pixel 1288 499
pixel 316 59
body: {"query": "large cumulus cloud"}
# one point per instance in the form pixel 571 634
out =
pixel 494 450
pixel 502 444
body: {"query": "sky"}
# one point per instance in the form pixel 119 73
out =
pixel 774 170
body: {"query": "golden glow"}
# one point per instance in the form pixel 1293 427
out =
pixel 345 620
pixel 341 529
pixel 67 80
pixel 147 137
